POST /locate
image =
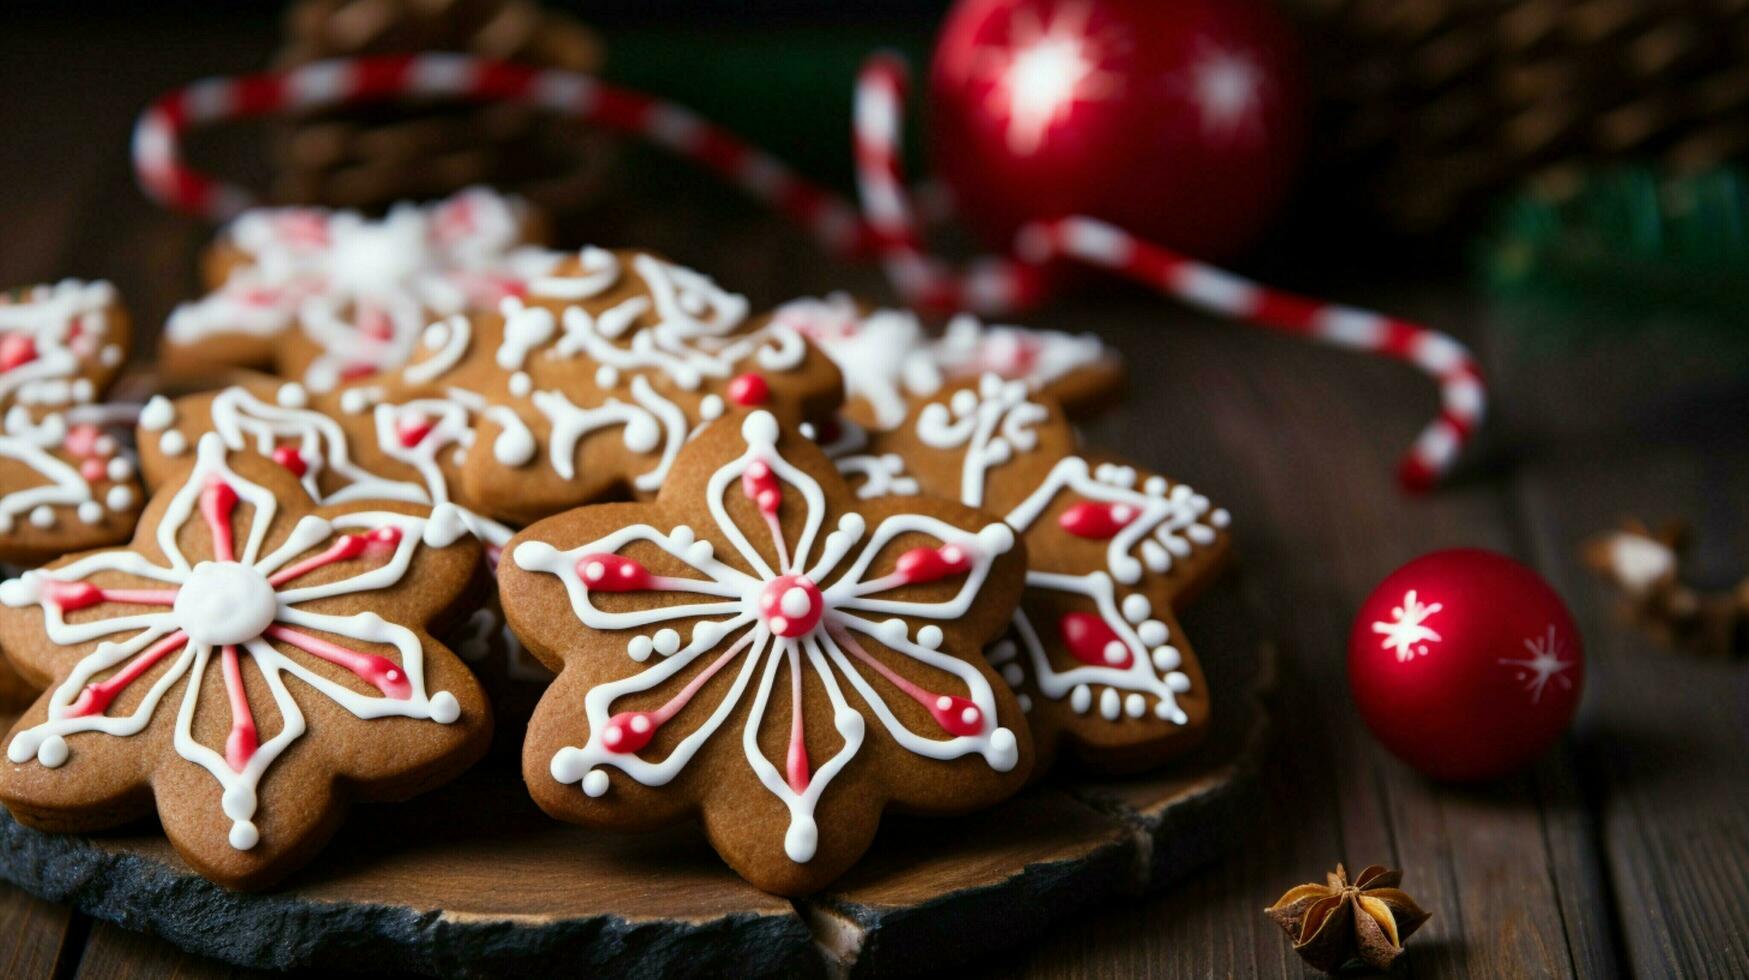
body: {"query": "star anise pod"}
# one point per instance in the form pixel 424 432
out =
pixel 1340 921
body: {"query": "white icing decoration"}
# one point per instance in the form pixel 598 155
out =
pixel 48 317
pixel 34 443
pixel 361 289
pixel 730 604
pixel 245 422
pixel 994 425
pixel 447 340
pixel 158 414
pixel 221 605
pixel 525 328
pixel 888 361
pixel 173 443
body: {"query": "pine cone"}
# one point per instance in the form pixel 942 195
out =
pixel 371 156
pixel 1429 107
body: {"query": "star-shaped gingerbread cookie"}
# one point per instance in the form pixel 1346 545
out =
pixel 337 463
pixel 758 648
pixel 247 666
pixel 321 296
pixel 66 481
pixel 1095 650
pixel 587 386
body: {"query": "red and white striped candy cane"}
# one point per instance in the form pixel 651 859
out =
pixel 996 285
pixel 888 229
pixel 167 177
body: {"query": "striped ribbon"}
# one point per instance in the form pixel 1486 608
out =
pixel 886 229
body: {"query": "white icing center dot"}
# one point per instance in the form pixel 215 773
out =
pixel 377 258
pixel 224 603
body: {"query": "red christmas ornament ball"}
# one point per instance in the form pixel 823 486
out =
pixel 1465 664
pixel 1179 120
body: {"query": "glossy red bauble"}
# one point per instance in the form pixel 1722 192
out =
pixel 1465 664
pixel 1178 120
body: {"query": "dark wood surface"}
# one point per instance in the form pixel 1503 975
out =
pixel 1625 851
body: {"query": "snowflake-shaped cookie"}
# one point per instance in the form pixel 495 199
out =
pixel 66 482
pixel 589 384
pixel 323 295
pixel 249 662
pixel 758 648
pixel 308 436
pixel 890 363
pixel 1095 652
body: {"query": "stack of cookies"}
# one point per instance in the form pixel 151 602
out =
pixel 773 571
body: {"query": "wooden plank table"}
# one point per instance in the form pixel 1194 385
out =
pixel 1626 850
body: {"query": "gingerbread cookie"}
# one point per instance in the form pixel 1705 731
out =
pixel 1095 653
pixel 759 649
pixel 309 436
pixel 248 665
pixel 890 362
pixel 66 481
pixel 322 296
pixel 589 385
pixel 339 457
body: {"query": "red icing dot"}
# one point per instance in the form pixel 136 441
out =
pixel 291 459
pixel 760 485
pixel 791 605
pixel 749 389
pixel 613 573
pixel 629 731
pixel 957 715
pixel 82 440
pixel 91 470
pixel 16 349
pixel 412 429
pixel 375 323
pixel 921 565
pixel 1093 642
pixel 1095 520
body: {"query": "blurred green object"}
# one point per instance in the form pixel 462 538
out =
pixel 1632 240
pixel 787 91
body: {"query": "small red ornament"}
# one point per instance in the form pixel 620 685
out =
pixel 1177 120
pixel 1465 664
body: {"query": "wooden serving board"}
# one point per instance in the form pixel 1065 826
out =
pixel 474 879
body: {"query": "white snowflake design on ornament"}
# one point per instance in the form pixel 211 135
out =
pixel 360 289
pixel 890 363
pixel 1544 665
pixel 1407 634
pixel 1125 663
pixel 58 343
pixel 1230 92
pixel 810 608
pixel 241 602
